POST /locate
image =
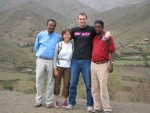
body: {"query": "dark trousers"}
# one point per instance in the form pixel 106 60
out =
pixel 65 74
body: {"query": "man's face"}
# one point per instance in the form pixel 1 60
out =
pixel 82 20
pixel 51 26
pixel 98 28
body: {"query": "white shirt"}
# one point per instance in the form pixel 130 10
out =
pixel 63 58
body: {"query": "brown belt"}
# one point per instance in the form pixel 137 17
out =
pixel 102 62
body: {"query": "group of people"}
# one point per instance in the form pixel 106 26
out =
pixel 91 53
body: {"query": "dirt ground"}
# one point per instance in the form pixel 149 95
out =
pixel 17 102
pixel 136 72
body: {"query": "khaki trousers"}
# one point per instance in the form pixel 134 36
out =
pixel 99 77
pixel 44 67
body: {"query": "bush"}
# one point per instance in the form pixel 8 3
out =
pixel 146 64
pixel 8 86
pixel 141 93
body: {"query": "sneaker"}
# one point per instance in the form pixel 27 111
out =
pixel 107 111
pixel 37 104
pixel 64 105
pixel 56 105
pixel 96 111
pixel 49 106
pixel 90 108
pixel 70 107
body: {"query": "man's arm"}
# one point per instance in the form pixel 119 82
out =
pixel 36 45
pixel 110 67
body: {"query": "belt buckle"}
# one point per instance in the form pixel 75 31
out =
pixel 44 58
pixel 100 62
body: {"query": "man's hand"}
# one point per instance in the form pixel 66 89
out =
pixel 110 67
pixel 108 34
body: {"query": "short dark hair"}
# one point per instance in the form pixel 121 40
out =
pixel 51 20
pixel 83 14
pixel 99 22
pixel 65 30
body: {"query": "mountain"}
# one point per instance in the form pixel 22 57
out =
pixel 134 25
pixel 18 28
pixel 68 8
pixel 21 21
pixel 64 7
pixel 103 5
pixel 127 23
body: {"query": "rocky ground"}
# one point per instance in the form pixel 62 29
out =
pixel 17 102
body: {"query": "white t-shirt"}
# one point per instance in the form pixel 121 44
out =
pixel 63 59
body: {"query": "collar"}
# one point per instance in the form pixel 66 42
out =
pixel 99 37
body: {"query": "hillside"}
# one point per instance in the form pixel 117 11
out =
pixel 20 22
pixel 67 8
pixel 23 20
pixel 103 5
pixel 16 102
pixel 127 23
pixel 133 25
pixel 18 28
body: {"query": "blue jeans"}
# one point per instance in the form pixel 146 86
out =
pixel 77 66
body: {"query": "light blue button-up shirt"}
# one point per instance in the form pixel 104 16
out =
pixel 45 44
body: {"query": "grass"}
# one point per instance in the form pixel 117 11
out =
pixel 23 83
pixel 26 85
pixel 129 62
pixel 114 85
pixel 114 82
pixel 13 76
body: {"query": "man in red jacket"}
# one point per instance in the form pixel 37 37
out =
pixel 101 66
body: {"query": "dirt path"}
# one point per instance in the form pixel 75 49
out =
pixel 17 102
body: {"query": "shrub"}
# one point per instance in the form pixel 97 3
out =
pixel 146 64
pixel 8 86
pixel 141 93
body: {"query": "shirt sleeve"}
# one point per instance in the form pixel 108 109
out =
pixel 55 60
pixel 112 47
pixel 37 45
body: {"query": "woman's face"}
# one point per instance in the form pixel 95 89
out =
pixel 67 36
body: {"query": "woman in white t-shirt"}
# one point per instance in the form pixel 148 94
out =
pixel 62 61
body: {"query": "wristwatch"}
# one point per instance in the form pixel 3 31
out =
pixel 112 62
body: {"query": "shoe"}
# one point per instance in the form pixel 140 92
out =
pixel 90 108
pixel 37 104
pixel 56 104
pixel 64 105
pixel 70 107
pixel 49 106
pixel 107 111
pixel 96 111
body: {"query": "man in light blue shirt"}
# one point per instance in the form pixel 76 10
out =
pixel 44 47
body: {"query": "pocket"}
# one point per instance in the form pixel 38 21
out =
pixel 107 66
